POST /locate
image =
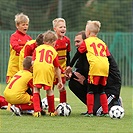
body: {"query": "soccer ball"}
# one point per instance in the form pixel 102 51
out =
pixel 63 109
pixel 116 112
pixel 44 103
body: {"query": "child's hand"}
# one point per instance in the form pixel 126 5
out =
pixel 68 76
pixel 60 85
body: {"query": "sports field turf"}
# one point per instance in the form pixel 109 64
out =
pixel 75 123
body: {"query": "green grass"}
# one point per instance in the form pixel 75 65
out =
pixel 75 123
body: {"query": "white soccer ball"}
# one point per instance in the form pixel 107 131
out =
pixel 63 109
pixel 116 112
pixel 44 103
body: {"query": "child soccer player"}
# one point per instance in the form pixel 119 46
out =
pixel 17 41
pixel 62 46
pixel 45 66
pixel 78 81
pixel 96 53
pixel 29 48
pixel 15 92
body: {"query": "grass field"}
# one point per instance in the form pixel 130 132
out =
pixel 75 123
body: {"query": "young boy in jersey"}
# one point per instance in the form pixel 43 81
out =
pixel 45 66
pixel 96 53
pixel 15 92
pixel 17 41
pixel 29 48
pixel 78 80
pixel 62 46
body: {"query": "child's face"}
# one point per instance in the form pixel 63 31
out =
pixel 60 29
pixel 23 27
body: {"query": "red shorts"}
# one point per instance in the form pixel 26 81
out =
pixel 63 81
pixel 96 80
pixel 45 87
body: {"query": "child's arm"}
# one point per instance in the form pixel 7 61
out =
pixel 58 74
pixel 15 44
pixel 33 57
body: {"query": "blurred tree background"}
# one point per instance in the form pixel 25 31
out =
pixel 115 15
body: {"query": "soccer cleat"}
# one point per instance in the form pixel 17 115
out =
pixel 53 114
pixel 37 114
pixel 15 110
pixel 88 115
pixel 105 115
pixel 3 107
pixel 84 113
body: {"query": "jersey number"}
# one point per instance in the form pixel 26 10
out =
pixel 102 49
pixel 47 56
pixel 16 78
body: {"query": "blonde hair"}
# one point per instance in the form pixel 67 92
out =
pixel 93 26
pixel 57 20
pixel 21 18
pixel 49 37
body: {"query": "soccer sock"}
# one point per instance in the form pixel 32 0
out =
pixel 25 106
pixel 36 102
pixel 51 105
pixel 3 102
pixel 63 96
pixel 104 103
pixel 90 103
pixel 31 99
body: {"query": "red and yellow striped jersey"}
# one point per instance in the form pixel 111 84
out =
pixel 62 47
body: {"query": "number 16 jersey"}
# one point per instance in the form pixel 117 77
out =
pixel 45 59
